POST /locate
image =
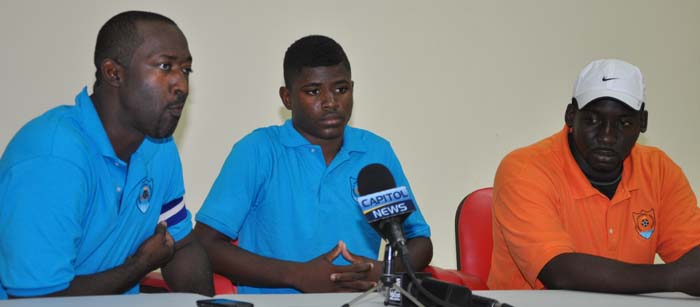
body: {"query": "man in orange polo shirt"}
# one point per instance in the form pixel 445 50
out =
pixel 588 208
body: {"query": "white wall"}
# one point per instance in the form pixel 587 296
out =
pixel 455 85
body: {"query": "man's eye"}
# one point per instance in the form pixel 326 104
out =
pixel 625 123
pixel 592 120
pixel 164 66
pixel 187 70
pixel 313 92
pixel 341 90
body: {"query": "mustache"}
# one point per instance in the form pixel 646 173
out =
pixel 332 115
pixel 605 149
pixel 180 99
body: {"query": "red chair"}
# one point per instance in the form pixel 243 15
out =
pixel 474 242
pixel 456 277
pixel 474 234
pixel 154 282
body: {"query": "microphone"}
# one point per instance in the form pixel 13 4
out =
pixel 384 205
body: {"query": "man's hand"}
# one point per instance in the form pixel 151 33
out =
pixel 157 250
pixel 577 271
pixel 686 273
pixel 346 279
pixel 321 275
pixel 153 253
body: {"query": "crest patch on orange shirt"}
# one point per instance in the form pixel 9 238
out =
pixel 644 222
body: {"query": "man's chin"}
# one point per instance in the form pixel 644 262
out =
pixel 163 134
pixel 605 166
pixel 332 133
pixel 331 136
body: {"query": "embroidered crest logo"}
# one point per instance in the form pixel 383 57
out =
pixel 354 192
pixel 644 222
pixel 144 197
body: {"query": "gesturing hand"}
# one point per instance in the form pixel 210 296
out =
pixel 158 249
pixel 317 274
pixel 347 279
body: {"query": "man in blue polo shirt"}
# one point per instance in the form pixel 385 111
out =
pixel 287 193
pixel 91 195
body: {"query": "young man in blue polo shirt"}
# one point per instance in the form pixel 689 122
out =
pixel 91 195
pixel 287 193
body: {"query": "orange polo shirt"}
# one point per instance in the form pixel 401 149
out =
pixel 544 206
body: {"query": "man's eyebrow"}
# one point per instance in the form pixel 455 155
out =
pixel 171 57
pixel 311 84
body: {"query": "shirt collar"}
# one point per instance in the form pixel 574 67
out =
pixel 96 132
pixel 582 188
pixel 93 125
pixel 290 137
pixel 629 181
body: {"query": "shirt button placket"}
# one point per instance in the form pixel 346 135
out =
pixel 611 223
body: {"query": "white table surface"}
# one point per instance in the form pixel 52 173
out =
pixel 515 298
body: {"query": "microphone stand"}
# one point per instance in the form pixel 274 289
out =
pixel 388 285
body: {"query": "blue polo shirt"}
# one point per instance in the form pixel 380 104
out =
pixel 69 206
pixel 276 195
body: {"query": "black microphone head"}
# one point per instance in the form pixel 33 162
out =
pixel 374 178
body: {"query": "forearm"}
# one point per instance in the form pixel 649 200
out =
pixel 243 266
pixel 574 271
pixel 420 253
pixel 255 270
pixel 114 281
pixel 189 269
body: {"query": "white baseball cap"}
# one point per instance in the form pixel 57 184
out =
pixel 610 78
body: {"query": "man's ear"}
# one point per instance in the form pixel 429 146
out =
pixel 644 120
pixel 112 72
pixel 570 113
pixel 284 95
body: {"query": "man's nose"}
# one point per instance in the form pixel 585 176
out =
pixel 180 83
pixel 329 100
pixel 607 134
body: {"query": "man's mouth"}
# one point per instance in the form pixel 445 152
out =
pixel 176 109
pixel 332 120
pixel 604 152
pixel 605 155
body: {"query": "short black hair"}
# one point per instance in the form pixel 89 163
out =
pixel 312 51
pixel 119 37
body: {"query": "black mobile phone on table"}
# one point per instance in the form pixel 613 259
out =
pixel 223 302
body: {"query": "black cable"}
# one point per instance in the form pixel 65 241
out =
pixel 417 283
pixel 479 300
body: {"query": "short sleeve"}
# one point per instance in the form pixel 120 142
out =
pixel 415 225
pixel 174 211
pixel 236 188
pixel 525 208
pixel 43 202
pixel 679 220
pixel 178 218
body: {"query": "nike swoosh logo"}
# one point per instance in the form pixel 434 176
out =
pixel 608 79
